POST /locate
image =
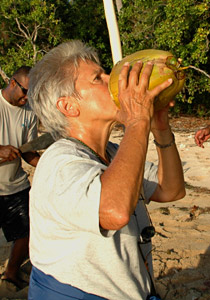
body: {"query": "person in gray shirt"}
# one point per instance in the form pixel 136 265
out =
pixel 18 125
pixel 90 232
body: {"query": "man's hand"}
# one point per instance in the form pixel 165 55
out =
pixel 202 136
pixel 8 153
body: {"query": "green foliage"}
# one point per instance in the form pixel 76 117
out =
pixel 29 28
pixel 89 25
pixel 181 27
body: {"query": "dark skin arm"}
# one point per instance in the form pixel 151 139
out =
pixel 202 136
pixel 9 153
pixel 31 158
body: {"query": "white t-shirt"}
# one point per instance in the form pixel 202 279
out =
pixel 66 240
pixel 18 125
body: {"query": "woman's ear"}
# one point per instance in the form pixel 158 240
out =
pixel 68 106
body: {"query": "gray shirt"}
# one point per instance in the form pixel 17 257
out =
pixel 18 125
pixel 66 240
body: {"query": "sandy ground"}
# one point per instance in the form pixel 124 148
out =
pixel 181 246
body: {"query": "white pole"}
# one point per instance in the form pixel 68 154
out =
pixel 114 35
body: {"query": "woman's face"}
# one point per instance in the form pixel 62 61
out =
pixel 92 85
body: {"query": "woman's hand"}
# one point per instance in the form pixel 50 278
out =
pixel 160 121
pixel 136 101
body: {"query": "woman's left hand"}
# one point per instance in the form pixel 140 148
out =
pixel 160 121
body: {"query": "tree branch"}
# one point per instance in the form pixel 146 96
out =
pixel 4 76
pixel 21 30
pixel 199 70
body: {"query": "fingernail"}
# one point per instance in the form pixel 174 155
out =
pixel 126 64
pixel 170 80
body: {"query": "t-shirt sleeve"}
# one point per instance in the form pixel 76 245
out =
pixel 72 190
pixel 77 191
pixel 33 128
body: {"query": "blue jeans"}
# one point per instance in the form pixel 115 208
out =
pixel 46 287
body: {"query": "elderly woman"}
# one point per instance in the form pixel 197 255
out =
pixel 90 232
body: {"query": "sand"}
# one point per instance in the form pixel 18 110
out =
pixel 181 246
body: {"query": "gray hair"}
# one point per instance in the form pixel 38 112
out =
pixel 54 76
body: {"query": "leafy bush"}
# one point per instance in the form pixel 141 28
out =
pixel 181 27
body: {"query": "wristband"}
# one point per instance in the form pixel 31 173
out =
pixel 166 145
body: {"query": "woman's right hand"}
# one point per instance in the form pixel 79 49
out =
pixel 136 100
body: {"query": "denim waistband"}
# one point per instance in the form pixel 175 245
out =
pixel 46 287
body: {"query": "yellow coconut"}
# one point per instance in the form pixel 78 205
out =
pixel 165 66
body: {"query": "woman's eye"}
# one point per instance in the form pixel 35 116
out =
pixel 98 78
